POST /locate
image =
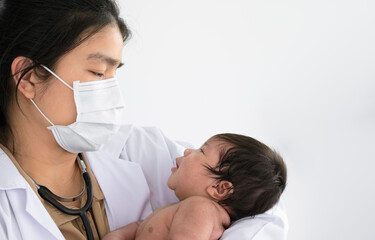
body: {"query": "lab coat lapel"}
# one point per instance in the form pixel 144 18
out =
pixel 31 215
pixel 118 180
pixel 36 210
pixel 118 177
pixel 33 219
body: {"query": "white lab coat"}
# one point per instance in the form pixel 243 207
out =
pixel 132 171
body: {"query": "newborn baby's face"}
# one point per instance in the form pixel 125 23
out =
pixel 190 177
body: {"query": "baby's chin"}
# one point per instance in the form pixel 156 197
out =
pixel 169 184
pixel 178 195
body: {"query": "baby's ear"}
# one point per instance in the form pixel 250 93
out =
pixel 221 191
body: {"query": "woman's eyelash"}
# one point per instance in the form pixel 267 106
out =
pixel 97 74
pixel 201 150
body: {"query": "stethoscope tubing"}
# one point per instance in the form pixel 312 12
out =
pixel 81 212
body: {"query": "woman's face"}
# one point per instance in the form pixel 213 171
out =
pixel 96 58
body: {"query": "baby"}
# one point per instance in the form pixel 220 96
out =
pixel 230 177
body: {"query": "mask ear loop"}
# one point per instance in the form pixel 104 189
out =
pixel 42 112
pixel 46 68
pixel 54 74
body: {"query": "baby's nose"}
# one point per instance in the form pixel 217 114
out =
pixel 187 151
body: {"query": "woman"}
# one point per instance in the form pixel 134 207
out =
pixel 60 98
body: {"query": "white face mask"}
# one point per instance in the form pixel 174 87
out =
pixel 100 111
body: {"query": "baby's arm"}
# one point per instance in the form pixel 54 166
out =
pixel 124 233
pixel 196 218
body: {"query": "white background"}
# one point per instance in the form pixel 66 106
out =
pixel 297 75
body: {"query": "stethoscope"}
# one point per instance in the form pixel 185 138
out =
pixel 50 197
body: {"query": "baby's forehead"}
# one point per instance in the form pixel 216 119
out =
pixel 218 143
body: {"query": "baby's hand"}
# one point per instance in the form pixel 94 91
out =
pixel 125 233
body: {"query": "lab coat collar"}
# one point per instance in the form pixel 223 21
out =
pixel 11 179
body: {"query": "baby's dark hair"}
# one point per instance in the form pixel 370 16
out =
pixel 258 174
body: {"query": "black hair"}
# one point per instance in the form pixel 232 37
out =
pixel 258 174
pixel 43 31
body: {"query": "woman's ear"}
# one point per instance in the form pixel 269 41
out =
pixel 221 191
pixel 26 85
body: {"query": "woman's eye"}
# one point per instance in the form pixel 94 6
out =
pixel 98 74
pixel 201 150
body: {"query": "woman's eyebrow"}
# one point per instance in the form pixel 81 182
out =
pixel 102 57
